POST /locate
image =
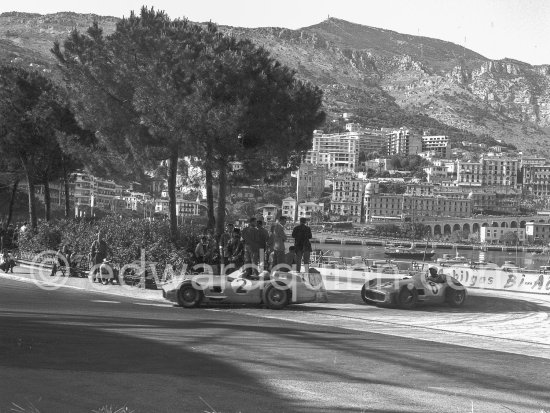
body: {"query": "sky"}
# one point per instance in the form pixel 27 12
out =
pixel 517 29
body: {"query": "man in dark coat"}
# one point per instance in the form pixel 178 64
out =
pixel 302 235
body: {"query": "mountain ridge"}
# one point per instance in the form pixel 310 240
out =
pixel 383 77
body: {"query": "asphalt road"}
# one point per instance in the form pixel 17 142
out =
pixel 75 351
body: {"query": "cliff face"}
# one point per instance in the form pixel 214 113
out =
pixel 383 77
pixel 504 99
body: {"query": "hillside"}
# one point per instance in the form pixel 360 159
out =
pixel 382 77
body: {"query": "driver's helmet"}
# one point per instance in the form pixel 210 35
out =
pixel 433 271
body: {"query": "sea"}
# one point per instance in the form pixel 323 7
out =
pixel 522 259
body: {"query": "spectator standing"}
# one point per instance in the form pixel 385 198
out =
pixel 251 238
pixel 23 228
pixel 63 258
pixel 98 251
pixel 236 250
pixel 279 239
pixel 225 241
pixel 264 238
pixel 302 235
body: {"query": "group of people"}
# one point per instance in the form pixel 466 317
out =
pixel 256 247
pixel 9 235
pixel 7 261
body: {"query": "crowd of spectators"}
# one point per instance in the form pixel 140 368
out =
pixel 255 247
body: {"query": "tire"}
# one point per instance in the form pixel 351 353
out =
pixel 364 295
pixel 189 297
pixel 455 297
pixel 407 299
pixel 276 298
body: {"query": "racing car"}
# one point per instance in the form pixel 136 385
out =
pixel 418 287
pixel 275 290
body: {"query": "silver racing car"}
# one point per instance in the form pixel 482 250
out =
pixel 274 290
pixel 419 287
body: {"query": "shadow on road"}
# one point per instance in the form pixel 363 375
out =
pixel 474 304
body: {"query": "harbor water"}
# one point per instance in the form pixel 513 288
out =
pixel 520 258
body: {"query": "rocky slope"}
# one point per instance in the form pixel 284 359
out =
pixel 382 77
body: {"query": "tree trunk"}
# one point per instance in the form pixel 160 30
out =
pixel 32 202
pixel 222 182
pixel 172 174
pixel 209 190
pixel 47 200
pixel 12 200
pixel 67 195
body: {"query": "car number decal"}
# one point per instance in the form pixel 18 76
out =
pixel 240 289
pixel 434 286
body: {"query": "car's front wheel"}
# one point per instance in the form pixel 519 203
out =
pixel 455 298
pixel 407 297
pixel 276 298
pixel 189 297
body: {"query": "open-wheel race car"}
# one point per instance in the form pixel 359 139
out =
pixel 275 290
pixel 427 287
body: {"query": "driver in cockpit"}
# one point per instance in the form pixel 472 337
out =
pixel 434 276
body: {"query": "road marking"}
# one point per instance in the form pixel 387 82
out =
pixel 105 301
pixel 155 305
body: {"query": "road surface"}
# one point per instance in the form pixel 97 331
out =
pixel 68 350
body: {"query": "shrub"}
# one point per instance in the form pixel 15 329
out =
pixel 125 237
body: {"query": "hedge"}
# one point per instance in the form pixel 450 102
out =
pixel 124 236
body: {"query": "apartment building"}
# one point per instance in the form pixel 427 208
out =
pixel 402 142
pixel 469 173
pixel 537 231
pixel 183 207
pixel 536 179
pixel 438 144
pixel 347 197
pixel 340 151
pixel 493 235
pixel 307 209
pixel 417 201
pixel 500 171
pixel 289 209
pixel 96 192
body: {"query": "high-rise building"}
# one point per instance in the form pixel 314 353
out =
pixel 439 144
pixel 340 151
pixel 402 142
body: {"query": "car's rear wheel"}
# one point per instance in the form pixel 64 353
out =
pixel 407 297
pixel 276 298
pixel 189 297
pixel 455 297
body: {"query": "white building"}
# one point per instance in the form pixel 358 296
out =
pixel 289 209
pixel 438 144
pixel 306 209
pixel 493 235
pixel 347 198
pixel 402 142
pixel 538 231
pixel 340 151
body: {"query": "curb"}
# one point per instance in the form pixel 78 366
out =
pixel 121 291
